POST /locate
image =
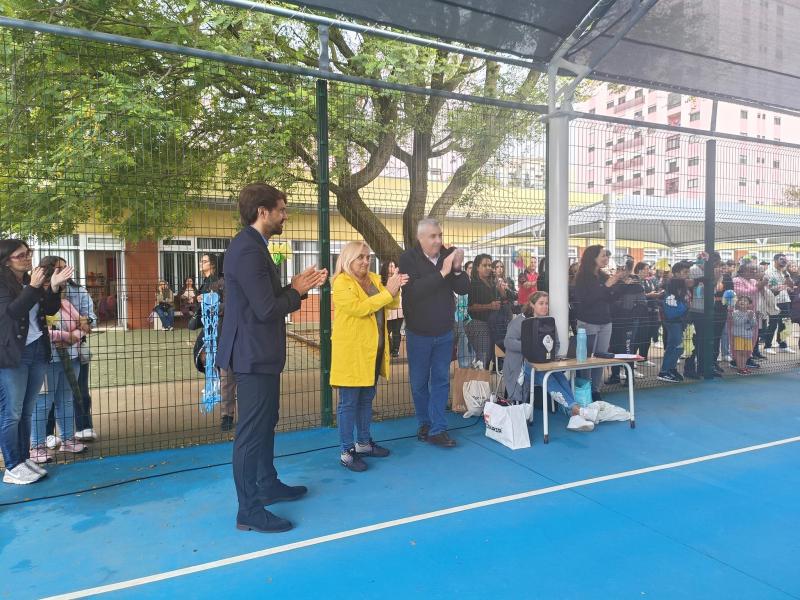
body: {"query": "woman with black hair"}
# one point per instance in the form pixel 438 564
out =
pixel 26 298
pixel 594 293
pixel 395 316
pixel 489 308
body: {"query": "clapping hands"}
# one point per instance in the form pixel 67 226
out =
pixel 395 282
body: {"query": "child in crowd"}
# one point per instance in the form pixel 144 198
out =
pixel 676 305
pixel 744 331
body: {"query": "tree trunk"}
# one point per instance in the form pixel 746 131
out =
pixel 352 207
pixel 418 176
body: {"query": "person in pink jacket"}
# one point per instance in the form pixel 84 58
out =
pixel 65 337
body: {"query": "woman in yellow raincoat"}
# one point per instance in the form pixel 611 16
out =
pixel 360 348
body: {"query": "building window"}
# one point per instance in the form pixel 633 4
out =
pixel 620 178
pixel 695 116
pixel 650 150
pixel 609 162
pixel 743 114
pixel 672 166
pixel 592 111
pixel 692 183
pixel 693 161
pixel 590 184
pixel 621 100
pixel 590 149
pixel 638 115
pixel 674 120
pixel 650 192
pixel 777 120
pixel 608 180
pixel 609 143
pixel 637 192
pixel 742 159
pixel 742 181
pixel 637 175
pixel 651 171
pixel 620 160
pixel 638 93
pixel 776 164
pixel 673 142
pixel 610 104
pixel 651 109
pixel 743 133
pixel 671 186
pixel 760 160
pixel 673 100
pixel 620 140
pixel 637 134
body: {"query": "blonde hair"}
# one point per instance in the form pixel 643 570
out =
pixel 348 254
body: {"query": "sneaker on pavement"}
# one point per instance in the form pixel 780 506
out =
pixel 589 413
pixel 648 363
pixel 728 358
pixel 39 455
pixel 578 423
pixel 21 475
pixel 668 377
pixel 675 373
pixel 53 442
pixel 353 461
pixel 787 350
pixel 86 435
pixel 638 375
pixel 35 468
pixel 371 449
pixel 770 350
pixel 613 380
pixel 751 364
pixel 72 446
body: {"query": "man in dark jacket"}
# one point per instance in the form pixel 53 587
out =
pixel 253 346
pixel 429 307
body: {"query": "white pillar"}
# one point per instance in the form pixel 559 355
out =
pixel 558 224
pixel 611 226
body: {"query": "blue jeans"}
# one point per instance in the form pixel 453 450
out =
pixel 355 409
pixel 557 382
pixel 18 390
pixel 58 394
pixel 674 349
pixel 167 316
pixel 429 372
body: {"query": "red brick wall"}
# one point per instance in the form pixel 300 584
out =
pixel 141 271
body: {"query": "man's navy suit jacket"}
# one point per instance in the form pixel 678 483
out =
pixel 253 338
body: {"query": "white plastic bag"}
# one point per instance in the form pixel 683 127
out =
pixel 476 394
pixel 508 424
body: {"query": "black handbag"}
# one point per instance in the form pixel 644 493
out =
pixel 539 339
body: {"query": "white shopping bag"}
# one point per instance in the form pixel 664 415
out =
pixel 476 394
pixel 508 424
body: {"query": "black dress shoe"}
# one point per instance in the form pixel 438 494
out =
pixel 269 523
pixel 422 432
pixel 442 440
pixel 280 492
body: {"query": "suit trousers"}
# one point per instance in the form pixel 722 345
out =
pixel 254 473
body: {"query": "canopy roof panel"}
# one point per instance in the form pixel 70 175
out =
pixel 736 50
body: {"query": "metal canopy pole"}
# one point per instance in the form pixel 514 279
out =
pixel 558 224
pixel 709 279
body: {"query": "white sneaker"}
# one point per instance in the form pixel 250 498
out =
pixel 728 358
pixel 86 435
pixel 53 442
pixel 558 398
pixel 21 475
pixel 35 468
pixel 658 344
pixel 638 375
pixel 578 423
pixel 787 350
pixel 770 351
pixel 590 414
pixel 648 363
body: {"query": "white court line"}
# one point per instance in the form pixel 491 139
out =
pixel 122 585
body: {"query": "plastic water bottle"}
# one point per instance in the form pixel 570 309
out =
pixel 580 346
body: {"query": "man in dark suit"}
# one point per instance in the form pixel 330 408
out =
pixel 252 345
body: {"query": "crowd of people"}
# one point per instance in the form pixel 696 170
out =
pixel 448 308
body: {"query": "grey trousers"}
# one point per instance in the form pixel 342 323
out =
pixel 602 338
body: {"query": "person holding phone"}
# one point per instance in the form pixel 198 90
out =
pixel 26 299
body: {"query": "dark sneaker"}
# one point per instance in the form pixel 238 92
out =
pixel 371 449
pixel 668 377
pixel 442 440
pixel 353 461
pixel 280 492
pixel 692 375
pixel 677 375
pixel 751 364
pixel 226 424
pixel 422 433
pixel 613 380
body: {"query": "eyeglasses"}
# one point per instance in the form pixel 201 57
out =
pixel 22 255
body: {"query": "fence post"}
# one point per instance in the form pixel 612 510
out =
pixel 709 280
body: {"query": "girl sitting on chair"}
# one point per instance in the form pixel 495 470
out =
pixel 517 372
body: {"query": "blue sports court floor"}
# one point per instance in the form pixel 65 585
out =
pixel 699 501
